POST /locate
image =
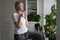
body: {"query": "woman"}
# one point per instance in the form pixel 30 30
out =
pixel 21 23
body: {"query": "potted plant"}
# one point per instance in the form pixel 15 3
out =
pixel 51 20
pixel 36 18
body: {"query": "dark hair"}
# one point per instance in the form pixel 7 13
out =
pixel 16 4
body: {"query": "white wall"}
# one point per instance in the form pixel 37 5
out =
pixel 47 6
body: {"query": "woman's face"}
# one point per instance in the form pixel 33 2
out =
pixel 21 7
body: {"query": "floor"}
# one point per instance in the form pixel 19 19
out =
pixel 46 38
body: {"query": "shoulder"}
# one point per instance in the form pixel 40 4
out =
pixel 15 14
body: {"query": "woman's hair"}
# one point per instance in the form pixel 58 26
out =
pixel 16 5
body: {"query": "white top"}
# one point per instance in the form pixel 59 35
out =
pixel 23 28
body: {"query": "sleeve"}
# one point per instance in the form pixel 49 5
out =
pixel 14 17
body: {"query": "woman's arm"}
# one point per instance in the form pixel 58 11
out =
pixel 18 24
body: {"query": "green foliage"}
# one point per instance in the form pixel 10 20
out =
pixel 50 20
pixel 31 16
pixel 37 19
pixel 34 17
pixel 51 32
pixel 53 9
pixel 38 27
